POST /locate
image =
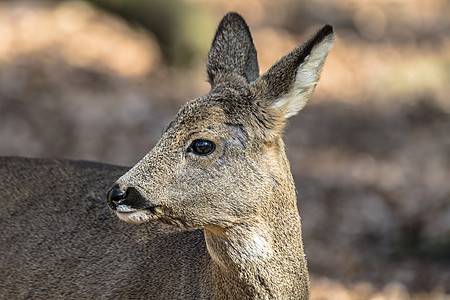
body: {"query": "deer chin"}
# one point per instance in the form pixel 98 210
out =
pixel 132 215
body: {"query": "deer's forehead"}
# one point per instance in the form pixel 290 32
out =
pixel 197 113
pixel 210 111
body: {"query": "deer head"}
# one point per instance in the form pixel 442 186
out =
pixel 221 161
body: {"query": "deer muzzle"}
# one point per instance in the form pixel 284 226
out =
pixel 115 197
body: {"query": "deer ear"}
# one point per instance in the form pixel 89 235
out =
pixel 232 51
pixel 287 85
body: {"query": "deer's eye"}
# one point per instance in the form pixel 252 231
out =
pixel 202 147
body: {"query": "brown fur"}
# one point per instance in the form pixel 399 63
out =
pixel 238 203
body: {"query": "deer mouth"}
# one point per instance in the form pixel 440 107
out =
pixel 133 215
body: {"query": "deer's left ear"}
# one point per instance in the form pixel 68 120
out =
pixel 232 52
pixel 286 87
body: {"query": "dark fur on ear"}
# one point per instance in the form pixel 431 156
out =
pixel 278 94
pixel 232 51
pixel 286 87
pixel 281 76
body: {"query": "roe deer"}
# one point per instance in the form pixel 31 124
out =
pixel 219 173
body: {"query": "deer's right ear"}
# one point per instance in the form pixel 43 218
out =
pixel 286 87
pixel 232 52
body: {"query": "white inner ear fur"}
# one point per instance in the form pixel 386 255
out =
pixel 307 77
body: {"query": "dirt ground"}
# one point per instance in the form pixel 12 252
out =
pixel 370 156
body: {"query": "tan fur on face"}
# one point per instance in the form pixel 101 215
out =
pixel 233 197
pixel 242 194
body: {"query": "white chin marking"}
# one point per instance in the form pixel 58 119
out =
pixel 138 216
pixel 124 208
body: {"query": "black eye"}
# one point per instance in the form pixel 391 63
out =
pixel 202 147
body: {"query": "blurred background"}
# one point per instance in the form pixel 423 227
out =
pixel 98 80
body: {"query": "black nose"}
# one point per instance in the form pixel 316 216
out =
pixel 115 197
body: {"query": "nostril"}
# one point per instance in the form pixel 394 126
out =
pixel 115 196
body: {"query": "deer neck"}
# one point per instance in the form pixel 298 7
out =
pixel 261 261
